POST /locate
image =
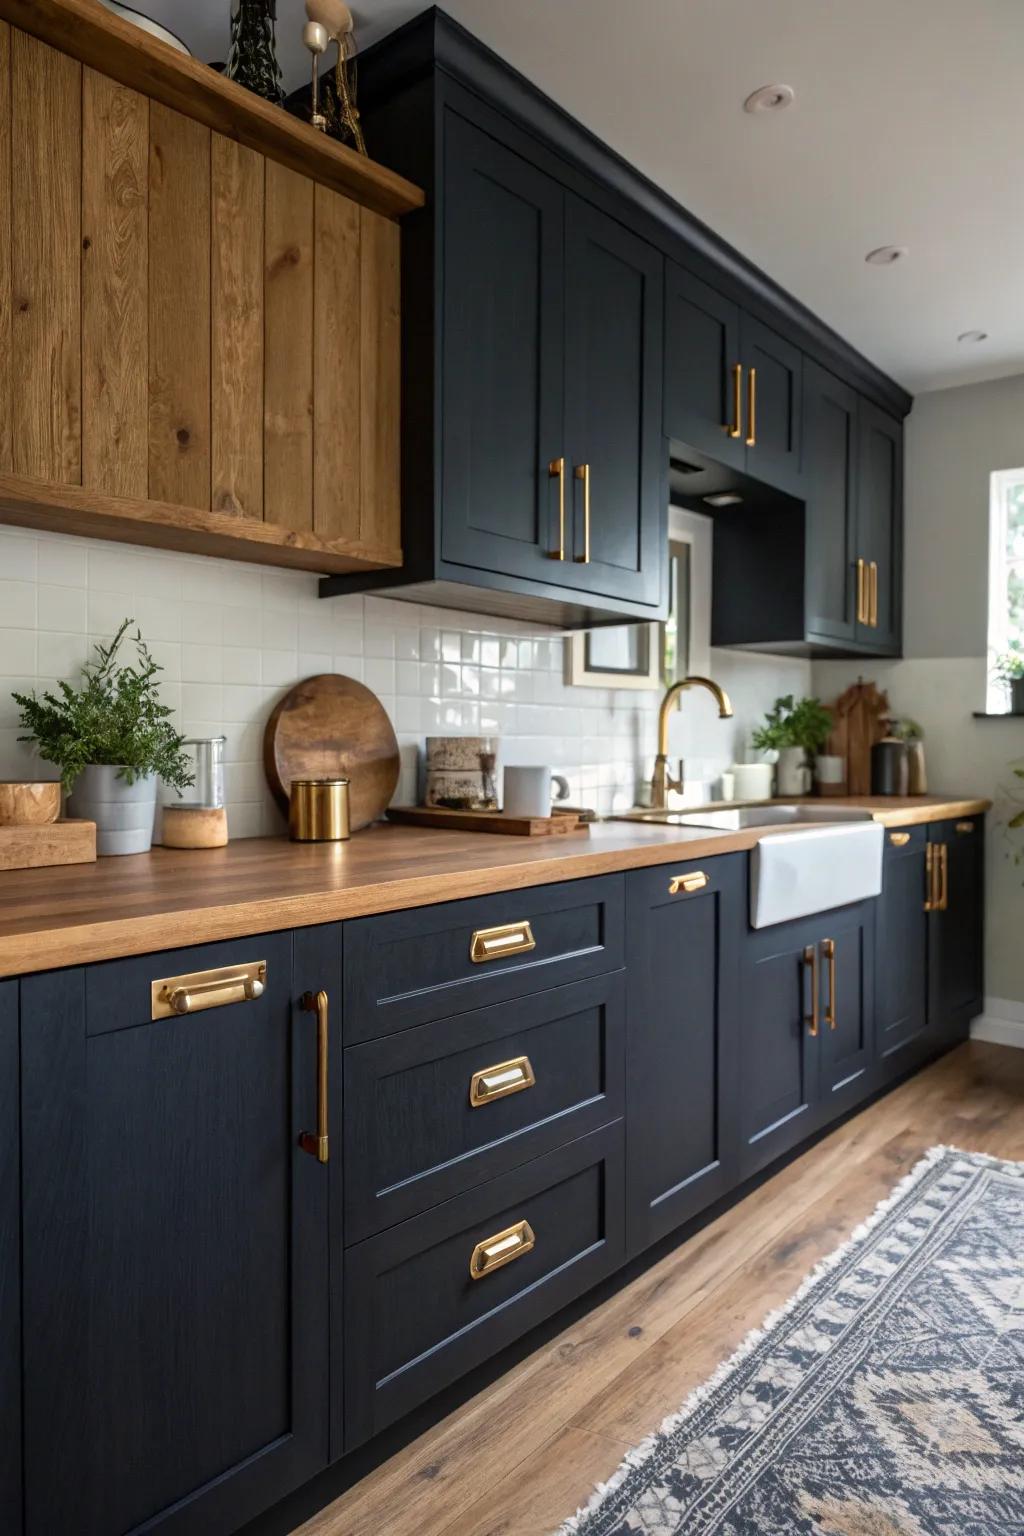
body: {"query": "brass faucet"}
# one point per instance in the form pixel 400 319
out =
pixel 661 783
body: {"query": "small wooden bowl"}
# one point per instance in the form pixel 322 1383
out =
pixel 28 805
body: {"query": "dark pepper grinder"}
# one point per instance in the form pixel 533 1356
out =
pixel 890 766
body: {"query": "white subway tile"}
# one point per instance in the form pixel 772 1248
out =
pixel 61 656
pixel 106 611
pixel 279 667
pixel 379 675
pixel 243 703
pixel 241 664
pixel 159 618
pixel 17 604
pixel 280 630
pixel 202 701
pixel 17 653
pixel 202 663
pixel 62 562
pixel 17 555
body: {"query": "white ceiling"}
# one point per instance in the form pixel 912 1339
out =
pixel 905 131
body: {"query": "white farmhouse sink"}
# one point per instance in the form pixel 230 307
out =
pixel 798 873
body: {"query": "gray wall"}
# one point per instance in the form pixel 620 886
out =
pixel 955 438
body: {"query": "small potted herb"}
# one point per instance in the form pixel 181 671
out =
pixel 112 739
pixel 1009 669
pixel 797 729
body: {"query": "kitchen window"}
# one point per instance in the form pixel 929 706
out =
pixel 1005 579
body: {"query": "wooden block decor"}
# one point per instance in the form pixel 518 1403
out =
pixel 187 323
pixel 859 714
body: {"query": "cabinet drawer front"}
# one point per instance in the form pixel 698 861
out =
pixel 407 968
pixel 441 1108
pixel 417 1318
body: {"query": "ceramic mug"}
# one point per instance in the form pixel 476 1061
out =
pixel 753 781
pixel 528 791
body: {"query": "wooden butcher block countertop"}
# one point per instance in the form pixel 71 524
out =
pixel 161 900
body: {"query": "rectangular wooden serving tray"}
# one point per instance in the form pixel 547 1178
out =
pixel 487 821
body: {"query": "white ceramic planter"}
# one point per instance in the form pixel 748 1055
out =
pixel 792 775
pixel 123 812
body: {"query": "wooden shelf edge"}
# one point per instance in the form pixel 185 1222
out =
pixel 189 530
pixel 105 42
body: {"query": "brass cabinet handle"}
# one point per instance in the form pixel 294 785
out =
pixel 943 851
pixel 499 1081
pixel 930 904
pixel 556 468
pixel 862 611
pixel 493 943
pixel 873 594
pixel 735 428
pixel 207 989
pixel 317 1144
pixel 811 964
pixel 899 839
pixel 828 949
pixel 497 1251
pixel 582 472
pixel 752 408
pixel 965 826
pixel 695 881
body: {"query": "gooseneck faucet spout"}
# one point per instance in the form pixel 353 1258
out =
pixel 662 781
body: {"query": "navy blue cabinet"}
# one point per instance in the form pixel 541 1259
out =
pixel 904 1034
pixel 175 1245
pixel 685 925
pixel 10 1263
pixel 956 927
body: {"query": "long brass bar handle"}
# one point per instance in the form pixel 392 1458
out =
pixel 495 943
pixel 556 468
pixel 752 408
pixel 943 877
pixel 317 1144
pixel 862 612
pixel 811 964
pixel 873 594
pixel 499 1081
pixel 930 868
pixel 497 1251
pixel 828 949
pixel 582 472
pixel 735 427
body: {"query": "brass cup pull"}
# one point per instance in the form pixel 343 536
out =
pixel 811 964
pixel 556 469
pixel 965 826
pixel 873 594
pixel 862 607
pixel 497 1251
pixel 495 943
pixel 735 427
pixel 582 472
pixel 695 881
pixel 499 1081
pixel 207 989
pixel 752 408
pixel 828 949
pixel 899 839
pixel 317 1144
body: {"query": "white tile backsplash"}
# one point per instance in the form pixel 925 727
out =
pixel 233 637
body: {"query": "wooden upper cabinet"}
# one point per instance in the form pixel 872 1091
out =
pixel 199 344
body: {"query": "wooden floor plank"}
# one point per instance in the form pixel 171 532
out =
pixel 520 1456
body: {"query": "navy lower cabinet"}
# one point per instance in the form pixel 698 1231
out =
pixel 956 927
pixel 10 1265
pixel 175 1243
pixel 684 928
pixel 806 1028
pixel 903 1034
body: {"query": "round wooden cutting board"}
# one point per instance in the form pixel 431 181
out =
pixel 330 727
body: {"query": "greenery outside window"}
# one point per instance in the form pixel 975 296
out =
pixel 1005 586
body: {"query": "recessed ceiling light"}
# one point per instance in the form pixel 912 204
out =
pixel 973 336
pixel 723 499
pixel 887 255
pixel 770 98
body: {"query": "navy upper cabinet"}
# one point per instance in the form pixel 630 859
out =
pixel 733 386
pixel 879 527
pixel 830 419
pixel 504 306
pixel 175 1246
pixel 10 1264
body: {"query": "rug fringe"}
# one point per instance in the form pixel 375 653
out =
pixel 643 1452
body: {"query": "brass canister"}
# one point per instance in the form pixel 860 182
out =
pixel 318 811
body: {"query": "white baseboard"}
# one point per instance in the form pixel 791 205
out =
pixel 1002 1023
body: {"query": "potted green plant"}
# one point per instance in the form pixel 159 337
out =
pixel 797 729
pixel 1009 669
pixel 111 738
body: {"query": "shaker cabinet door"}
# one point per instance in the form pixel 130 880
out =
pixel 956 931
pixel 618 493
pixel 830 453
pixel 773 403
pixel 503 348
pixel 175 1248
pixel 880 523
pixel 902 1033
pixel 703 396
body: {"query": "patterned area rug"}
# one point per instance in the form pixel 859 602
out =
pixel 885 1399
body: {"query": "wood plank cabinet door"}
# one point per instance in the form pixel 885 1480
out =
pixel 830 456
pixel 779 1040
pixel 956 929
pixel 773 405
pixel 175 1246
pixel 902 1035
pixel 683 955
pixel 703 398
pixel 10 1264
pixel 613 387
pixel 880 522
pixel 503 357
